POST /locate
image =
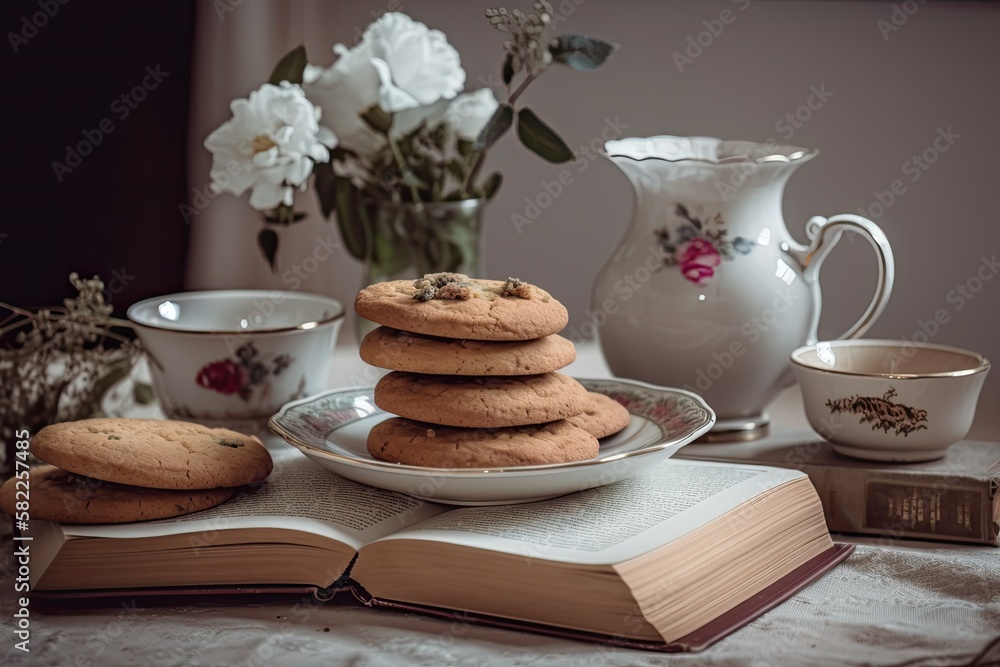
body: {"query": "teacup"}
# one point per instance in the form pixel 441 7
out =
pixel 236 355
pixel 887 400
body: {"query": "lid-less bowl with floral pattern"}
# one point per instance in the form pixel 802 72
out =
pixel 234 355
pixel 889 400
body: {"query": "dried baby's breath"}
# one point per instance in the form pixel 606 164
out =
pixel 56 363
pixel 530 36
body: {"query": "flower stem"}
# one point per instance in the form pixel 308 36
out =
pixel 475 165
pixel 477 160
pixel 403 168
pixel 512 97
pixel 418 206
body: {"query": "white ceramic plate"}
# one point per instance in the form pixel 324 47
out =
pixel 332 429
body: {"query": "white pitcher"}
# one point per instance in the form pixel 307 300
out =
pixel 707 290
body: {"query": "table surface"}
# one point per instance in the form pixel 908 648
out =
pixel 891 603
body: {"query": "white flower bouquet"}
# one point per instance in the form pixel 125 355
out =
pixel 388 122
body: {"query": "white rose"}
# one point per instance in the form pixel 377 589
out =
pixel 416 65
pixel 399 64
pixel 344 91
pixel 270 145
pixel 468 114
pixel 430 115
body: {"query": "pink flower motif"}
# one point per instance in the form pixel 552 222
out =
pixel 697 259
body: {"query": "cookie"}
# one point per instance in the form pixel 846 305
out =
pixel 415 353
pixel 481 402
pixel 58 495
pixel 602 417
pixel 463 308
pixel 154 453
pixel 418 444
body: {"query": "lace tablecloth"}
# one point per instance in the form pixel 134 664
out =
pixel 890 603
pixel 886 605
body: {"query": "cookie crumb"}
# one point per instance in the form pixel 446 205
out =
pixel 515 287
pixel 439 280
pixel 425 290
pixel 450 286
pixel 455 292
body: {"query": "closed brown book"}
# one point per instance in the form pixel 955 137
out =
pixel 672 559
pixel 955 499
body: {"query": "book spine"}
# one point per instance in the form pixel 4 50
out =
pixel 916 506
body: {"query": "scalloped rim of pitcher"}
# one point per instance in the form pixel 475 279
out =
pixel 794 153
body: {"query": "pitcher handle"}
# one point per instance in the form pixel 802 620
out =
pixel 823 234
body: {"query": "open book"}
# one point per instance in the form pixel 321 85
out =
pixel 673 558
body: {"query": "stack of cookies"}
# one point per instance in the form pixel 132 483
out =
pixel 474 381
pixel 121 470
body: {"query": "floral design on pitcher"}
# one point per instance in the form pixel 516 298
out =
pixel 882 413
pixel 242 375
pixel 697 247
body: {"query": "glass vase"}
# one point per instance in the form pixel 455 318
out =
pixel 409 240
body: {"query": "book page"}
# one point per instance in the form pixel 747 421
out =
pixel 609 524
pixel 298 495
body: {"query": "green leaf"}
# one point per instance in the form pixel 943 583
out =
pixel 143 393
pixel 290 68
pixel 325 182
pixel 540 138
pixel 377 119
pixel 491 185
pixel 352 227
pixel 267 240
pixel 507 72
pixel 456 168
pixel 465 148
pixel 581 52
pixel 495 127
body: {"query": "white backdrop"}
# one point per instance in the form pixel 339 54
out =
pixel 893 81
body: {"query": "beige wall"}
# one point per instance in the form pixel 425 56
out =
pixel 890 97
